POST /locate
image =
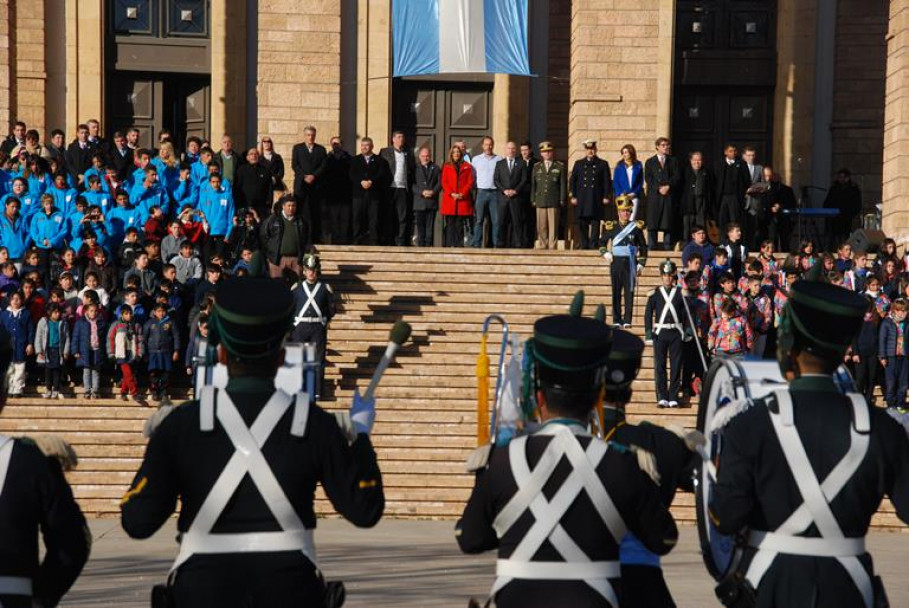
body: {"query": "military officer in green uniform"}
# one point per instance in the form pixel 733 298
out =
pixel 590 187
pixel 803 470
pixel 34 496
pixel 623 245
pixel 244 461
pixel 548 194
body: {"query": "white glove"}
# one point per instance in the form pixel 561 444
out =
pixel 363 413
pixel 608 257
pixel 640 269
pixel 649 342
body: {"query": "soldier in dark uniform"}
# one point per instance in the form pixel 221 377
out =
pixel 34 496
pixel 555 504
pixel 805 468
pixel 244 462
pixel 626 255
pixel 314 303
pixel 590 188
pixel 666 305
pixel 675 454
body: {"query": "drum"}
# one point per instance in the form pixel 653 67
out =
pixel 730 379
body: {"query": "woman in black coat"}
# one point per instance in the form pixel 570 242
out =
pixel 273 162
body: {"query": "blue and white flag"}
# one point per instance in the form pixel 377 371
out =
pixel 457 36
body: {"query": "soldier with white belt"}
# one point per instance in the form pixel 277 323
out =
pixel 35 497
pixel 803 470
pixel 244 461
pixel 556 504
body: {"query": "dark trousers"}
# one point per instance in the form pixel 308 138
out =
pixel 691 364
pixel 310 203
pixel 425 221
pixel 865 375
pixel 530 229
pixel 644 587
pixel 896 374
pixel 159 381
pixel 778 231
pixel 214 245
pixel 620 276
pixel 402 203
pixel 667 345
pixel 52 377
pixel 365 221
pixel 337 223
pixel 512 222
pixel 652 239
pixel 730 211
pixel 454 228
pixel 590 232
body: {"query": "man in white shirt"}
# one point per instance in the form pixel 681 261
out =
pixel 484 167
pixel 399 223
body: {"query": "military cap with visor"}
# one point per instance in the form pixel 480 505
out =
pixel 251 317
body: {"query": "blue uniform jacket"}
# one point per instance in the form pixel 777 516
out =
pixel 187 193
pixel 14 236
pixel 119 220
pixel 64 200
pixel 51 227
pixel 39 185
pixel 21 331
pixel 169 177
pixel 144 199
pixel 218 208
pixel 100 199
pixel 81 341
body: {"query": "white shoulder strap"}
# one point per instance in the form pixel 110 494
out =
pixel 207 409
pixel 6 451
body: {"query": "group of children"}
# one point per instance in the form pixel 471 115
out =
pixel 736 301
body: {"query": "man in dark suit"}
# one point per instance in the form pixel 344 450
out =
pixel 530 233
pixel 663 178
pixel 778 199
pixel 398 225
pixel 121 157
pixel 732 181
pixel 337 194
pixel 309 161
pixel 369 178
pixel 15 140
pixel 511 179
pixel 79 154
pixel 590 186
pixel 426 188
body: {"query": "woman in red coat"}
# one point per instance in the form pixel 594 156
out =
pixel 457 202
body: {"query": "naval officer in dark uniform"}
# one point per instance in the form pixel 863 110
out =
pixel 804 469
pixel 555 504
pixel 35 497
pixel 675 455
pixel 590 188
pixel 625 248
pixel 244 462
pixel 666 305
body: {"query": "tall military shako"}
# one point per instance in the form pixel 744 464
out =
pixel 819 318
pixel 624 202
pixel 668 267
pixel 251 328
pixel 312 262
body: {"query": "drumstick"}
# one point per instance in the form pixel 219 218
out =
pixel 398 336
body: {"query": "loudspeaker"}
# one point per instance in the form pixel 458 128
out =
pixel 869 241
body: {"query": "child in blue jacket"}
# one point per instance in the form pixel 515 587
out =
pixel 217 203
pixel 87 348
pixel 892 350
pixel 18 323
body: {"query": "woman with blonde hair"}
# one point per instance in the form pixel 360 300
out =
pixel 457 202
pixel 168 165
pixel 628 179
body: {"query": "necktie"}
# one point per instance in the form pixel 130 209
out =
pixel 510 164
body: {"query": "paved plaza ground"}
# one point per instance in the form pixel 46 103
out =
pixel 402 563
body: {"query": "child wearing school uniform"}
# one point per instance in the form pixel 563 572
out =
pixel 88 348
pixel 713 271
pixel 18 323
pixel 863 354
pixel 760 314
pixel 730 333
pixel 52 346
pixel 727 291
pixel 874 289
pixel 892 350
pixel 769 267
pixel 162 339
pixel 692 366
pixel 124 346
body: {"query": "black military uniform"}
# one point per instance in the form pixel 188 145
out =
pixel 246 522
pixel 591 185
pixel 805 469
pixel 667 306
pixel 558 543
pixel 626 257
pixel 34 496
pixel 314 303
pixel 675 459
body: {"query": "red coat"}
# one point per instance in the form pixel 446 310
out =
pixel 461 182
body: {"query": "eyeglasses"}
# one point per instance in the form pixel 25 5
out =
pixel 266 141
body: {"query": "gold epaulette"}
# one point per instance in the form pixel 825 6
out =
pixel 640 224
pixel 610 225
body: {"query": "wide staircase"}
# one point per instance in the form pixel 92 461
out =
pixel 426 423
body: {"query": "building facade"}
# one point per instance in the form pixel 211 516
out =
pixel 813 85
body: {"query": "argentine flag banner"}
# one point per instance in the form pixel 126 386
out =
pixel 458 36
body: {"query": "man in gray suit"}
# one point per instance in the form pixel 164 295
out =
pixel 754 216
pixel 426 188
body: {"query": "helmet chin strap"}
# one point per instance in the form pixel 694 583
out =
pixel 613 416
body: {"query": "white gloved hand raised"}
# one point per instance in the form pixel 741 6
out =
pixel 363 413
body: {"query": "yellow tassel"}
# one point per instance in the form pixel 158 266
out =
pixel 482 394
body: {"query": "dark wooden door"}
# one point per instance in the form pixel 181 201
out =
pixel 151 102
pixel 725 76
pixel 439 114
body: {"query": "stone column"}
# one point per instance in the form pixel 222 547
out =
pixel 228 71
pixel 5 73
pixel 84 63
pixel 299 80
pixel 373 72
pixel 27 63
pixel 896 125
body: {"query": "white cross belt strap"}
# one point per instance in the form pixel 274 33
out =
pixel 247 458
pixel 548 514
pixel 668 309
pixel 302 316
pixel 817 498
pixel 10 585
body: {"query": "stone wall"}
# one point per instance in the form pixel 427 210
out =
pixel 26 35
pixel 896 124
pixel 858 100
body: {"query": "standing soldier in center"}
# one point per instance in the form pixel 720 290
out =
pixel 626 256
pixel 591 187
pixel 548 192
pixel 314 303
pixel 666 303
